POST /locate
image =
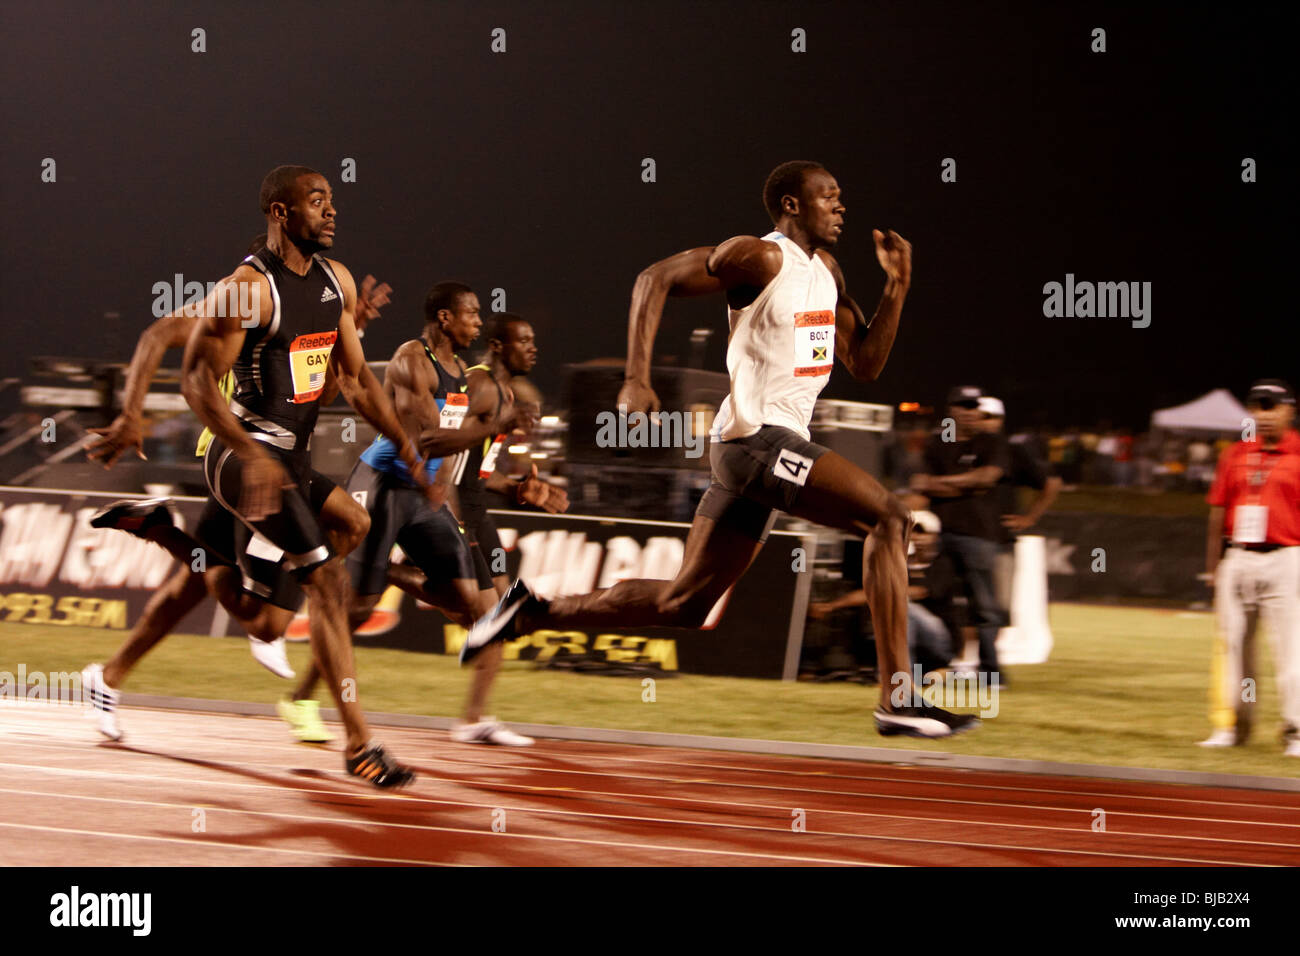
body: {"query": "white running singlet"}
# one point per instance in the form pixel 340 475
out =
pixel 781 348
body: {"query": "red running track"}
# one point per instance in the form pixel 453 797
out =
pixel 200 789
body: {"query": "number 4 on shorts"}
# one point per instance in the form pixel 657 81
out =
pixel 792 467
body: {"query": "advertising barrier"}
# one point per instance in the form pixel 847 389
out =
pixel 56 570
pixel 755 631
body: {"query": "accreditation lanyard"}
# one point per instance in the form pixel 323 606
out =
pixel 1257 475
pixel 1250 521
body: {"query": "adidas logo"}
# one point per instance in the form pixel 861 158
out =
pixel 328 295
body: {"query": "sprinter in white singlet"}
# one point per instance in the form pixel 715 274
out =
pixel 790 318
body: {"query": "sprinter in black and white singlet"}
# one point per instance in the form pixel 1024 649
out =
pixel 790 316
pixel 301 326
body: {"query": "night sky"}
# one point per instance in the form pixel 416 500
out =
pixel 522 170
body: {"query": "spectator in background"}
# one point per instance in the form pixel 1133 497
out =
pixel 1024 471
pixel 1255 504
pixel 963 467
pixel 931 586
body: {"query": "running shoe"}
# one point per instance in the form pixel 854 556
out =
pixel 103 699
pixel 137 516
pixel 272 656
pixel 489 730
pixel 930 722
pixel 1223 737
pixel 303 718
pixel 376 765
pixel 499 623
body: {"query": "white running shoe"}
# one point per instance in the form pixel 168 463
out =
pixel 103 698
pixel 1292 749
pixel 272 656
pixel 498 624
pixel 489 730
pixel 1223 737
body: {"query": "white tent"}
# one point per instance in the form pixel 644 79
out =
pixel 1215 411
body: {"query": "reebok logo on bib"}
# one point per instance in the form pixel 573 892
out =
pixel 309 358
pixel 814 342
pixel 792 467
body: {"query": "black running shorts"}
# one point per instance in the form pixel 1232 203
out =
pixel 755 477
pixel 288 544
pixel 401 515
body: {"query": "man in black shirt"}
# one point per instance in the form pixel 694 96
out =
pixel 1027 470
pixel 963 467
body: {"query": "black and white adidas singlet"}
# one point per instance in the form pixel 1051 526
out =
pixel 280 371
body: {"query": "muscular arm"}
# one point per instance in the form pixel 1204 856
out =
pixel 370 299
pixel 170 332
pixel 214 343
pixel 740 261
pixel 358 383
pixel 864 346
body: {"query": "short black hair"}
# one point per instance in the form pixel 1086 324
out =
pixel 501 325
pixel 443 296
pixel 278 185
pixel 786 180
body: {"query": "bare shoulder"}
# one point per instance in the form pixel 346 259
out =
pixel 246 273
pixel 755 258
pixel 477 378
pixel 408 351
pixel 344 276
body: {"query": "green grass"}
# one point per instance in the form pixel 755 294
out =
pixel 1124 686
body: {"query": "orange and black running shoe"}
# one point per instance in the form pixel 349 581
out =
pixel 375 765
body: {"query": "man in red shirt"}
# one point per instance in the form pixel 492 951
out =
pixel 1255 505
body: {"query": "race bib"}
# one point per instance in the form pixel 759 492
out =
pixel 814 343
pixel 309 357
pixel 453 408
pixel 1250 524
pixel 489 464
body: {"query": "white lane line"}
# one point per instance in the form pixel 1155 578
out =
pixel 870 779
pixel 900 779
pixel 781 830
pixel 533 771
pixel 216 843
pixel 580 793
pixel 351 821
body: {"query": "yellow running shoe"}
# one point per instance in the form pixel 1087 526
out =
pixel 303 717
